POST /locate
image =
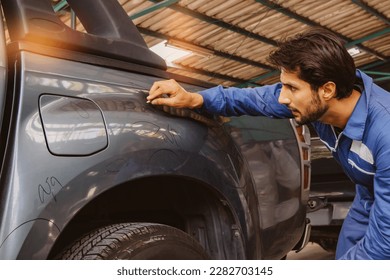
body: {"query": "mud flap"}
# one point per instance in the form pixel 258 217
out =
pixel 305 237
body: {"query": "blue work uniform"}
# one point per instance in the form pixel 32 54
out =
pixel 362 149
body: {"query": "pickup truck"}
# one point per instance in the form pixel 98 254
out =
pixel 89 170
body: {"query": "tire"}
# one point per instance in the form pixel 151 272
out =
pixel 140 241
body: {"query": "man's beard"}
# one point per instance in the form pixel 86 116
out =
pixel 314 112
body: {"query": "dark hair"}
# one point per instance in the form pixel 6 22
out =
pixel 318 56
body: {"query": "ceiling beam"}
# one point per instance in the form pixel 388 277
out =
pixel 258 78
pixel 157 6
pixel 170 3
pixel 381 79
pixel 374 64
pixel 209 74
pixel 372 11
pixel 352 43
pixel 379 73
pixel 214 52
pixel 368 37
pixel 221 24
pixel 309 22
pixel 60 5
pixel 280 9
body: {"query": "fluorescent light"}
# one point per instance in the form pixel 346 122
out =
pixel 169 53
pixel 354 51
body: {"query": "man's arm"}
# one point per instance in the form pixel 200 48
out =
pixel 260 101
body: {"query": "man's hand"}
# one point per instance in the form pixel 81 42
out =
pixel 170 93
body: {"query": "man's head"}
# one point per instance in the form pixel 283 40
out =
pixel 317 56
pixel 315 68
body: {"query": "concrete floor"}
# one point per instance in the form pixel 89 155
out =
pixel 312 251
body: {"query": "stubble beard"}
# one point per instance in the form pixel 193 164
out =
pixel 314 112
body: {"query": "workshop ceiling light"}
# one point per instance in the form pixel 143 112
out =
pixel 170 53
pixel 354 51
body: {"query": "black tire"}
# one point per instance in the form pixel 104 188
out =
pixel 140 241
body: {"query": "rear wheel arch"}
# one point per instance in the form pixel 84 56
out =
pixel 189 205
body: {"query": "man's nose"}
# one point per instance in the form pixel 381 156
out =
pixel 283 99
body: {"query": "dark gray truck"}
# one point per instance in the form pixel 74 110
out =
pixel 89 170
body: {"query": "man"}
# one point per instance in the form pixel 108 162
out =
pixel 320 85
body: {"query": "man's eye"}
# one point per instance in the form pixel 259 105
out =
pixel 291 88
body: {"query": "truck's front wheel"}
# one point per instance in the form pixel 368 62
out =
pixel 139 241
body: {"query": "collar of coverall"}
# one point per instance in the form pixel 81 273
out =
pixel 357 122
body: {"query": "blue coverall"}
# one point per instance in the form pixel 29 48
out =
pixel 362 149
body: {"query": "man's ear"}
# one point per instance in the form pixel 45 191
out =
pixel 328 90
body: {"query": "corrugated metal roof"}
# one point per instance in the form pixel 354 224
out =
pixel 231 39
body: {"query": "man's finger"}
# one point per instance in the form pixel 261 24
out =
pixel 163 101
pixel 154 87
pixel 154 93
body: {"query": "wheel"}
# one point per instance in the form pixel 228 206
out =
pixel 140 241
